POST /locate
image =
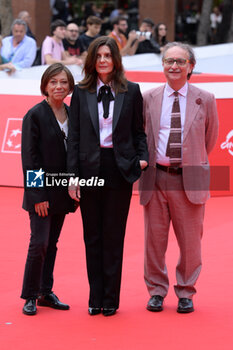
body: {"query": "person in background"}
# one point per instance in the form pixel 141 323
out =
pixel 25 16
pixel 89 9
pixel 59 9
pixel 19 49
pixel 44 135
pixel 161 35
pixel 147 43
pixel 93 24
pixel 7 67
pixel 215 20
pixel 106 139
pixel 52 50
pixel 72 43
pixel 191 18
pixel 126 46
pixel 117 12
pixel 182 128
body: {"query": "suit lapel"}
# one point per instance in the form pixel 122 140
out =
pixel 155 106
pixel 93 110
pixel 117 109
pixel 191 109
pixel 55 126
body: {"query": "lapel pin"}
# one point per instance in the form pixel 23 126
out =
pixel 198 101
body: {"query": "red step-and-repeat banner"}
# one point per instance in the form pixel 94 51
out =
pixel 14 106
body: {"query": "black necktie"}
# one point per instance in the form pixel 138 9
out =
pixel 174 141
pixel 105 95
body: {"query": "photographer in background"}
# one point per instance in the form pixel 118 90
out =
pixel 126 46
pixel 147 43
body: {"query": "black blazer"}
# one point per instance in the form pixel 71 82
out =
pixel 129 139
pixel 43 147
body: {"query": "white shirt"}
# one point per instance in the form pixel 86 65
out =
pixel 23 55
pixel 165 120
pixel 215 20
pixel 105 125
pixel 64 127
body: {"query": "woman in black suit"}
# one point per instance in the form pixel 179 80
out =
pixel 106 140
pixel 44 135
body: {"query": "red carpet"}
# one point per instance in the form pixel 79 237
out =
pixel 209 327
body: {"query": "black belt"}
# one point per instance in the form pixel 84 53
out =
pixel 169 169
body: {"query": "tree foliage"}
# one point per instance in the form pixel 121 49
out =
pixel 6 16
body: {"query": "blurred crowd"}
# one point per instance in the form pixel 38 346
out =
pixel 187 24
pixel 71 33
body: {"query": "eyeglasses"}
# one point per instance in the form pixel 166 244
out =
pixel 179 61
pixel 73 31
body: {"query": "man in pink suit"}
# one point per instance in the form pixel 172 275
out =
pixel 182 126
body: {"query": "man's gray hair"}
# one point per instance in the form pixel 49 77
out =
pixel 19 22
pixel 186 47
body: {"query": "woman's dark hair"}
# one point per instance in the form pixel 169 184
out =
pixel 53 70
pixel 90 74
pixel 161 41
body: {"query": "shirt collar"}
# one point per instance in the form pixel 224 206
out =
pixel 21 42
pixel 183 91
pixel 100 83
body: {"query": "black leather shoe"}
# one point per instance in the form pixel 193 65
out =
pixel 155 303
pixel 51 300
pixel 109 311
pixel 30 307
pixel 94 311
pixel 185 306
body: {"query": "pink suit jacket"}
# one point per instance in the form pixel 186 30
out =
pixel 199 137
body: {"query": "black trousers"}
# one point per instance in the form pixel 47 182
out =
pixel 38 274
pixel 104 213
